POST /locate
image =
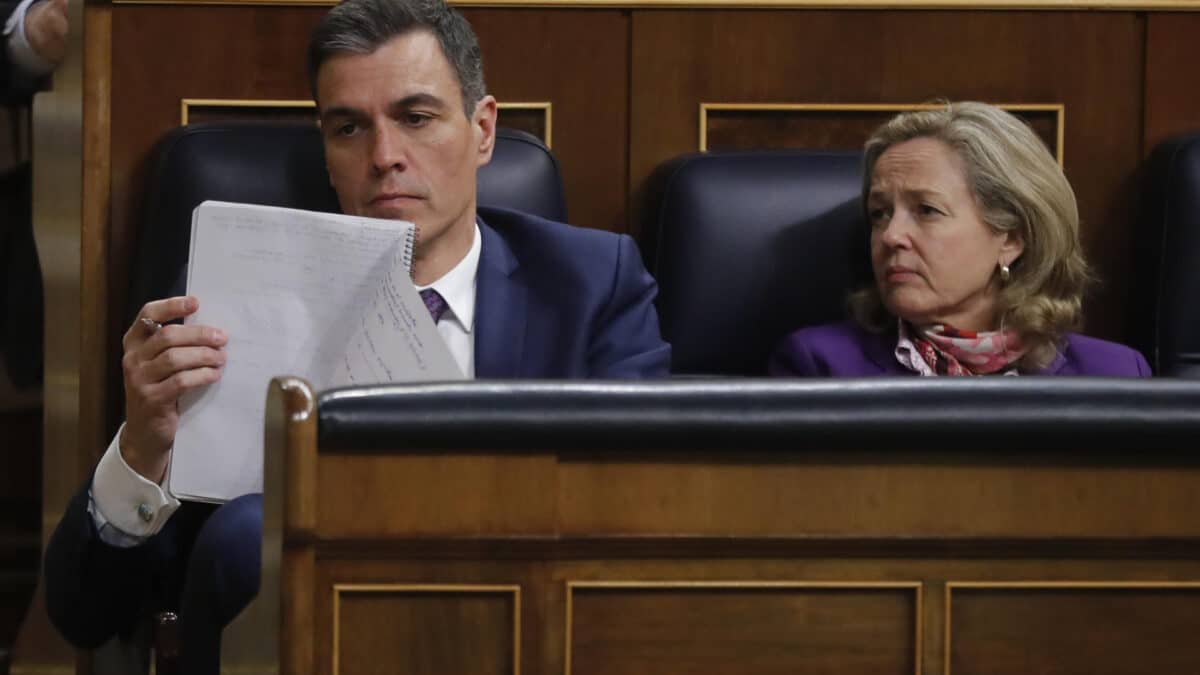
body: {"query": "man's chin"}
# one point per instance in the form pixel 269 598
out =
pixel 393 209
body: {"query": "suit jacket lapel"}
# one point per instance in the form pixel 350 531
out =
pixel 500 309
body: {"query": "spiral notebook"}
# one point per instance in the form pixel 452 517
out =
pixel 327 297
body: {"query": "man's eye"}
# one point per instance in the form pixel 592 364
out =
pixel 417 119
pixel 347 129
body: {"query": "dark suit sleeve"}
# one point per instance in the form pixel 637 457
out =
pixel 95 591
pixel 626 341
pixel 14 90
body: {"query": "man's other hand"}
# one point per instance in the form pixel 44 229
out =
pixel 159 365
pixel 46 29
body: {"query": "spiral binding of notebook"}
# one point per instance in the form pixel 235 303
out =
pixel 410 247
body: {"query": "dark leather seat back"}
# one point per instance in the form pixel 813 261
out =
pixel 284 165
pixel 749 246
pixel 1166 318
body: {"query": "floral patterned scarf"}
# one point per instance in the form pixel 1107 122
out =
pixel 950 351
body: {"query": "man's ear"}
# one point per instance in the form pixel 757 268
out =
pixel 483 124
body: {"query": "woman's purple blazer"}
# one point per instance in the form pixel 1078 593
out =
pixel 846 350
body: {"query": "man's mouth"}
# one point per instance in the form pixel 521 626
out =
pixel 395 198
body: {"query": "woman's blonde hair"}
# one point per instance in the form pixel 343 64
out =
pixel 1018 187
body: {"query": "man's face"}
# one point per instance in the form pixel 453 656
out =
pixel 397 142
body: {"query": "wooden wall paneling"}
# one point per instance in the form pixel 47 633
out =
pixel 1073 628
pixel 498 496
pixel 196 111
pixel 1090 62
pixel 743 627
pixel 655 561
pixel 578 60
pixel 99 352
pixel 536 118
pixel 1172 100
pixel 421 629
pixel 658 605
pixel 813 493
pixel 197 52
pixel 767 125
pixel 511 609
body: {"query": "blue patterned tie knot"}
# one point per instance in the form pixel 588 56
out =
pixel 435 303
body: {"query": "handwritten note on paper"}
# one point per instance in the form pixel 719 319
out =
pixel 290 288
pixel 394 339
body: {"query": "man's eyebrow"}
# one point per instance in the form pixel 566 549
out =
pixel 418 100
pixel 411 101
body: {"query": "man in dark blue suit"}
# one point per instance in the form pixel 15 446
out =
pixel 406 124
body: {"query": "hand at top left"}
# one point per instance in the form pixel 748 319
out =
pixel 46 29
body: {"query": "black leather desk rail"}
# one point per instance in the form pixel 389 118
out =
pixel 1018 414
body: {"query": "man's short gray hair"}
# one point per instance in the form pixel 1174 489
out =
pixel 363 26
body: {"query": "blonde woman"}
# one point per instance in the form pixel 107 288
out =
pixel 976 255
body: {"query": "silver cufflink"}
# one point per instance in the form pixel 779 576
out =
pixel 145 512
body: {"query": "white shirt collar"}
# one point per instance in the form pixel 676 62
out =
pixel 907 354
pixel 457 287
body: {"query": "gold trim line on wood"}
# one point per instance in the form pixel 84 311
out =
pixel 1080 5
pixel 749 584
pixel 1059 110
pixel 186 104
pixel 514 589
pixel 547 109
pixel 1044 585
pixel 1084 585
pixel 917 586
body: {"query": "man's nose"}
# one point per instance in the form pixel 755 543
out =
pixel 387 149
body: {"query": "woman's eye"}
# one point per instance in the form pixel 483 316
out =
pixel 927 210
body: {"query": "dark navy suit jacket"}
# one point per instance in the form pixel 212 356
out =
pixel 846 350
pixel 552 301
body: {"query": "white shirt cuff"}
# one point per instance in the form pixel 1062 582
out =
pixel 19 50
pixel 125 499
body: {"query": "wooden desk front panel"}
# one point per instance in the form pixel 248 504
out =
pixel 1031 494
pixel 808 562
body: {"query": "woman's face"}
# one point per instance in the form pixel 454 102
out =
pixel 935 260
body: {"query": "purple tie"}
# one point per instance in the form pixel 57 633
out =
pixel 435 303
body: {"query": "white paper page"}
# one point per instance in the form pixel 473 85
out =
pixel 394 339
pixel 289 288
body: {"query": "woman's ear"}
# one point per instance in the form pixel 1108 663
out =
pixel 1012 248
